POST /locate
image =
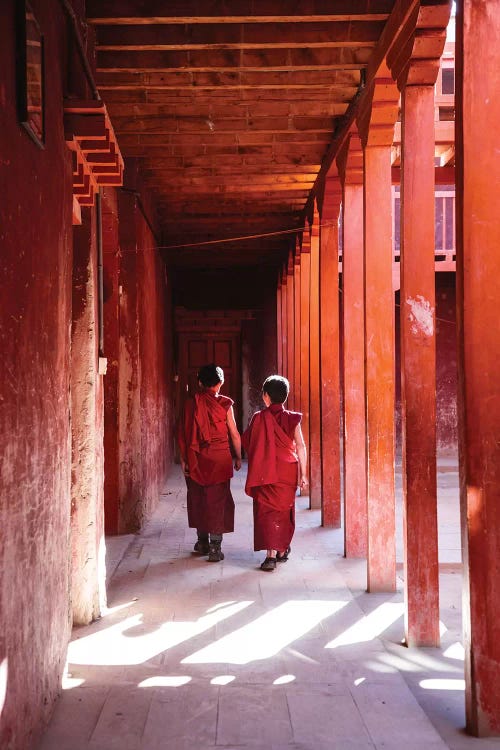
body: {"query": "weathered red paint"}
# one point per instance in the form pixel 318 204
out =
pixel 353 326
pixel 139 419
pixel 156 361
pixel 478 292
pixel 351 173
pixel 35 418
pixel 305 273
pixel 111 251
pixel 315 428
pixel 379 357
pixel 296 365
pixel 88 573
pixel 130 479
pixel 284 324
pixel 279 353
pixel 290 317
pixel 330 362
pixel 418 369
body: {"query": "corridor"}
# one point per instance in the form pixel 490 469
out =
pixel 198 655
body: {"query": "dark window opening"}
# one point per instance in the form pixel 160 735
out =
pixel 448 81
pixel 446 114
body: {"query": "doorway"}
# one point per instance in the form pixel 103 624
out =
pixel 202 339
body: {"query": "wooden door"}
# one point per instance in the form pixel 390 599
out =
pixel 201 348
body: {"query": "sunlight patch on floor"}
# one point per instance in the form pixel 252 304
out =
pixel 223 679
pixel 284 679
pixel 370 626
pixel 165 681
pixel 119 645
pixel 455 651
pixel 442 684
pixel 267 635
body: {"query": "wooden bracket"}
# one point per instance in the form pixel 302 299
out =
pixel 97 160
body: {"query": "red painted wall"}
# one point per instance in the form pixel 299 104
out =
pixel 35 440
pixel 87 423
pixel 138 343
pixel 156 354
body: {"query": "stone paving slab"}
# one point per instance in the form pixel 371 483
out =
pixel 198 655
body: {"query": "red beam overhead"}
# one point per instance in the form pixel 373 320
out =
pixel 254 11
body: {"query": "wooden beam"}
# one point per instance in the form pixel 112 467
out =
pixel 166 37
pixel 200 61
pixel 231 80
pixel 220 111
pixel 195 11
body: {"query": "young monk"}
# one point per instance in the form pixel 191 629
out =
pixel 206 425
pixel 276 464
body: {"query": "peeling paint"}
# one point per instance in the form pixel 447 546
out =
pixel 421 315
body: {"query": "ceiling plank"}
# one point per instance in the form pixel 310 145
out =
pixel 238 36
pixel 252 11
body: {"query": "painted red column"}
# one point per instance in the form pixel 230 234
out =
pixel 284 322
pixel 131 447
pixel 305 273
pixel 329 348
pixel 478 293
pixel 291 323
pixel 112 256
pixel 418 368
pixel 279 350
pixel 314 371
pixel 354 434
pixel 296 367
pixel 88 574
pixel 380 363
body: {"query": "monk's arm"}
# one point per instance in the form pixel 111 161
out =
pixel 235 438
pixel 302 454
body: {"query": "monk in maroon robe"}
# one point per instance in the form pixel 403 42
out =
pixel 203 435
pixel 276 465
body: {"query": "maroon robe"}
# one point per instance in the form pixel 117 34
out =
pixel 272 475
pixel 204 446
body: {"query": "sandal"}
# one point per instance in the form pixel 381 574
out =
pixel 283 557
pixel 269 564
pixel 201 547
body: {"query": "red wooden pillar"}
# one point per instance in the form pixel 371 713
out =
pixel 111 313
pixel 279 349
pixel 284 322
pixel 305 273
pixel 290 312
pixel 329 352
pixel 314 371
pixel 380 363
pixel 296 371
pixel 418 368
pixel 478 292
pixel 353 322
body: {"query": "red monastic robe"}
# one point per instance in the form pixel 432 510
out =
pixel 272 475
pixel 204 445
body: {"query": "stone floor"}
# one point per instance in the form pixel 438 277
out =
pixel 196 655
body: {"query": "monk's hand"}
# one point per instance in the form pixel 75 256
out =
pixel 185 468
pixel 237 464
pixel 303 482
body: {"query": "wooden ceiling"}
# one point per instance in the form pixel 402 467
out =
pixel 230 107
